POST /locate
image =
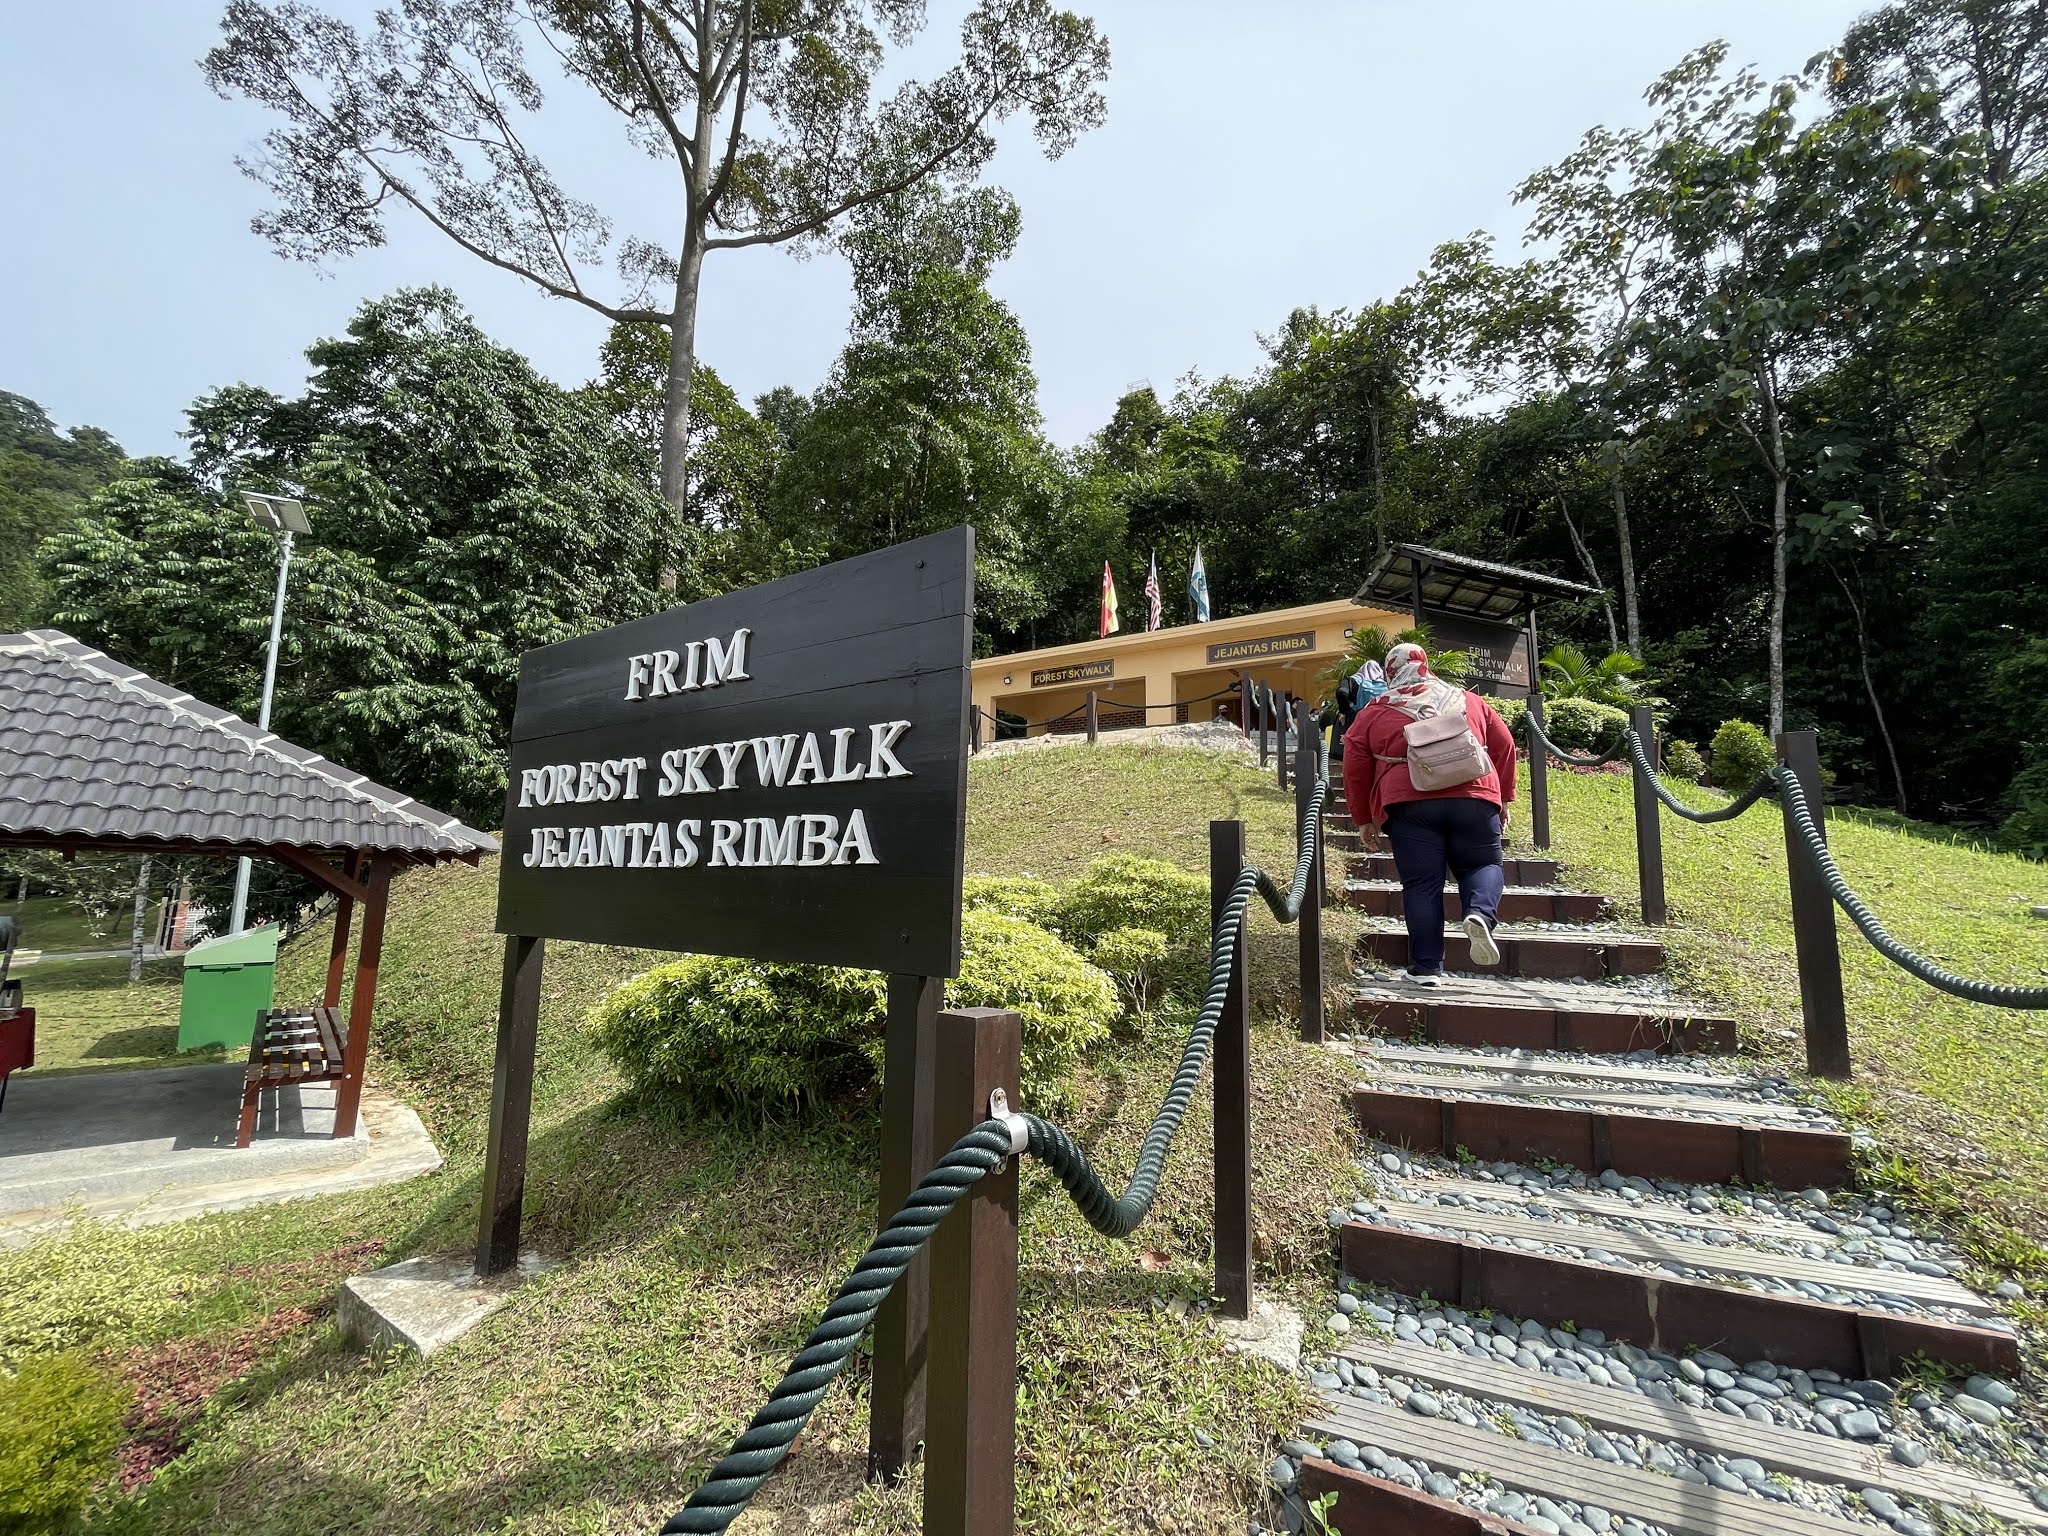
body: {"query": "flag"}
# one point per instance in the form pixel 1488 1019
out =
pixel 1198 588
pixel 1109 624
pixel 1152 595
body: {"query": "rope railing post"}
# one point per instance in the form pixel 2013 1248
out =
pixel 1539 775
pixel 1093 722
pixel 1309 926
pixel 1284 710
pixel 1231 1077
pixel 1649 824
pixel 970 1479
pixel 1244 704
pixel 1821 1006
pixel 896 1416
pixel 974 728
pixel 1262 704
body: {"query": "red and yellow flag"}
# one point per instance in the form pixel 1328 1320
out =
pixel 1109 625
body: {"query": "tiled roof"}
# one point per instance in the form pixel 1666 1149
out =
pixel 94 750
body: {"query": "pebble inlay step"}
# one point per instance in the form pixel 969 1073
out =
pixel 1539 1015
pixel 1654 1311
pixel 1514 1065
pixel 1547 953
pixel 1456 1085
pixel 1810 1456
pixel 1737 1261
pixel 1518 903
pixel 1684 1508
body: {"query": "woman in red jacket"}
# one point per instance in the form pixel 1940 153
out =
pixel 1458 828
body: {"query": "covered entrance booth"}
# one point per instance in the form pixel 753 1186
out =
pixel 97 757
pixel 1475 606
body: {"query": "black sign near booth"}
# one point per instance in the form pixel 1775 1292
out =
pixel 778 773
pixel 1497 655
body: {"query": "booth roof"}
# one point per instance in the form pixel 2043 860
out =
pixel 1460 584
pixel 93 752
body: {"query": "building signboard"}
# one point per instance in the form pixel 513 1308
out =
pixel 778 773
pixel 1498 653
pixel 1262 648
pixel 1074 672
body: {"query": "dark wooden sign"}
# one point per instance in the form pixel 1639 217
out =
pixel 1262 647
pixel 779 772
pixel 1075 672
pixel 1497 654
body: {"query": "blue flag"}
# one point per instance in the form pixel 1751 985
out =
pixel 1198 588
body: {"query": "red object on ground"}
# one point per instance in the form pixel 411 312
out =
pixel 17 1045
pixel 1370 786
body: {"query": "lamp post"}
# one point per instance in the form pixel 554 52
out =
pixel 281 517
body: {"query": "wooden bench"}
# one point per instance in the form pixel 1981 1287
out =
pixel 291 1046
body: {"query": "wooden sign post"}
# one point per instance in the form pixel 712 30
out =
pixel 778 773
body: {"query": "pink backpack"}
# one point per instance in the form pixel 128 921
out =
pixel 1442 751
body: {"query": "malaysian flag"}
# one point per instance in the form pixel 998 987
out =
pixel 1152 595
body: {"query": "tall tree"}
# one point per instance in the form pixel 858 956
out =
pixel 45 478
pixel 768 111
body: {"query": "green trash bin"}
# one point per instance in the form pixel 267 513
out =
pixel 228 981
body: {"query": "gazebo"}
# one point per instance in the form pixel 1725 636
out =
pixel 98 757
pixel 1472 603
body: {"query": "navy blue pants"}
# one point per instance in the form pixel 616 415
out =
pixel 1429 836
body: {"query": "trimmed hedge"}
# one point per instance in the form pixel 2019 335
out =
pixel 1740 752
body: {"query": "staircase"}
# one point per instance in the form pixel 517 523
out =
pixel 1609 1282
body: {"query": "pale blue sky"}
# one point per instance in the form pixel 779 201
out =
pixel 1255 158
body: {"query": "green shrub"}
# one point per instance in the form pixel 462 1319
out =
pixel 1123 890
pixel 751 1034
pixel 60 1421
pixel 1580 725
pixel 1739 752
pixel 1024 896
pixel 93 1282
pixel 1067 1003
pixel 1514 712
pixel 744 1032
pixel 1138 958
pixel 1682 760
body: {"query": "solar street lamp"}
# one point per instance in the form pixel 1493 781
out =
pixel 280 517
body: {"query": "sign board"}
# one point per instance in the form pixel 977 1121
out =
pixel 1075 672
pixel 1499 652
pixel 1263 647
pixel 779 772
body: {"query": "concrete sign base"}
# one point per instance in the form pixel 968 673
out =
pixel 422 1305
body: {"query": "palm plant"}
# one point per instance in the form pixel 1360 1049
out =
pixel 1616 679
pixel 1370 643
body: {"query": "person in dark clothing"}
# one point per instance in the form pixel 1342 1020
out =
pixel 1353 694
pixel 1429 831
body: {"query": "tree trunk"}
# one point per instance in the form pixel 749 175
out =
pixel 1781 481
pixel 675 414
pixel 1884 731
pixel 1592 571
pixel 135 933
pixel 1628 565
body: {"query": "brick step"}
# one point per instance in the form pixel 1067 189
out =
pixel 1516 871
pixel 1642 1098
pixel 1518 903
pixel 1651 1145
pixel 1587 953
pixel 1372 1506
pixel 1539 1016
pixel 1813 1457
pixel 1655 1311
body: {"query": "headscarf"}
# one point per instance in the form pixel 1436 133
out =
pixel 1413 689
pixel 1372 682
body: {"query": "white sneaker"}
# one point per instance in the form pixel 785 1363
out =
pixel 1479 933
pixel 1423 978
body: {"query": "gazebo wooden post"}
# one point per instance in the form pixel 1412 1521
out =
pixel 376 902
pixel 337 955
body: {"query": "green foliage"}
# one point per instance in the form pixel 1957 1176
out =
pixel 744 1033
pixel 1067 1003
pixel 753 1035
pixel 464 510
pixel 1580 725
pixel 1370 643
pixel 1615 680
pixel 1125 891
pixel 1738 753
pixel 1025 896
pixel 45 478
pixel 1682 760
pixel 2025 828
pixel 1138 958
pixel 1514 711
pixel 75 1289
pixel 60 1420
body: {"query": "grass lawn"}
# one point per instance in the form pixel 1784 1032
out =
pixel 695 1253
pixel 1955 1092
pixel 52 924
pixel 88 1018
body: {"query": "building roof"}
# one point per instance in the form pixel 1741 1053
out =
pixel 1461 584
pixel 93 752
pixel 1341 610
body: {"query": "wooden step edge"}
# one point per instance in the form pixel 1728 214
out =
pixel 1540 1026
pixel 1593 1141
pixel 1554 955
pixel 1372 1506
pixel 1686 1509
pixel 1732 1261
pixel 1797 1453
pixel 1551 1066
pixel 1600 1094
pixel 1662 1312
pixel 1584 1202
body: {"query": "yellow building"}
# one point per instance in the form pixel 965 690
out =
pixel 1193 666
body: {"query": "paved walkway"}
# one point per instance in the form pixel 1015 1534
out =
pixel 145 1147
